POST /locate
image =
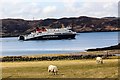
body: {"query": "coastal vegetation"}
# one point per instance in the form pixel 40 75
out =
pixel 52 58
pixel 106 54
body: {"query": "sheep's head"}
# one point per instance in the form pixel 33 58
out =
pixel 49 70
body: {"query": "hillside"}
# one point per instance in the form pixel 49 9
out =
pixel 16 27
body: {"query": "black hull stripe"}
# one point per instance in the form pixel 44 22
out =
pixel 54 37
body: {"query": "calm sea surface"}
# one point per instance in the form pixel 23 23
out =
pixel 12 46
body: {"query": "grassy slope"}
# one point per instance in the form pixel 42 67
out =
pixel 67 69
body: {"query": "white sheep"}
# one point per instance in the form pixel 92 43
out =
pixel 53 69
pixel 99 60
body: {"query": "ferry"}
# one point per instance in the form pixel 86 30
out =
pixel 49 34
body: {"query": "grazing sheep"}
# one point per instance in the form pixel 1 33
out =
pixel 53 69
pixel 99 60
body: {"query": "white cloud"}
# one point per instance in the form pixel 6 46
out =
pixel 99 1
pixel 93 9
pixel 69 2
pixel 28 9
pixel 18 9
pixel 49 9
pixel 103 9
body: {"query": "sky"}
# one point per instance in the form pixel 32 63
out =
pixel 42 9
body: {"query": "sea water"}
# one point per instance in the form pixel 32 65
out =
pixel 11 46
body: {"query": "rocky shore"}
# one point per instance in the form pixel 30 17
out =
pixel 115 47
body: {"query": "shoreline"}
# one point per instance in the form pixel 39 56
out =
pixel 77 32
pixel 115 47
pixel 86 52
pixel 89 54
pixel 105 50
pixel 56 57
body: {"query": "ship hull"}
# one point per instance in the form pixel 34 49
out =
pixel 51 37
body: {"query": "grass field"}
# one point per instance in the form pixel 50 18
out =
pixel 85 68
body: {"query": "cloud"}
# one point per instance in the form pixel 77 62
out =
pixel 93 9
pixel 49 9
pixel 101 9
pixel 27 9
pixel 69 2
pixel 19 9
pixel 99 1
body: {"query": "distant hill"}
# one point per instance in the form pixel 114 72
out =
pixel 16 27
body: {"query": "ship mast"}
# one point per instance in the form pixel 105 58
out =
pixel 63 26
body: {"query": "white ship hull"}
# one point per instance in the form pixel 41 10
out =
pixel 50 34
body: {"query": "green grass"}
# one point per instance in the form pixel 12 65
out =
pixel 86 68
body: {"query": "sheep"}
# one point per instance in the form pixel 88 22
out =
pixel 53 69
pixel 99 60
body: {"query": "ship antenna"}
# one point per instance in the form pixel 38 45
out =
pixel 33 18
pixel 63 26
